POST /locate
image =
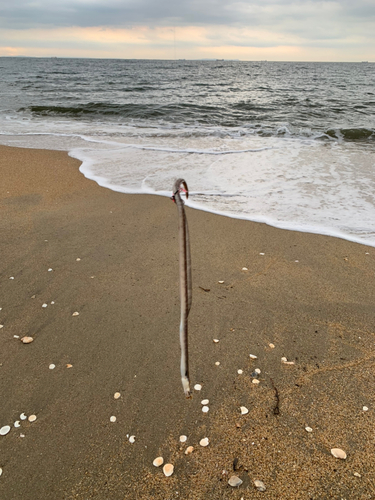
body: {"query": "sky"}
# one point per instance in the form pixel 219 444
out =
pixel 274 30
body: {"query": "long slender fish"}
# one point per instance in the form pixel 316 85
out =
pixel 180 186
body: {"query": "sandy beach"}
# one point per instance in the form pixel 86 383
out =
pixel 68 245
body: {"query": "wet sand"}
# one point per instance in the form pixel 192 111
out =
pixel 317 312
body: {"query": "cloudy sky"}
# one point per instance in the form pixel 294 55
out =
pixel 292 30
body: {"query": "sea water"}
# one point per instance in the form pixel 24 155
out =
pixel 288 144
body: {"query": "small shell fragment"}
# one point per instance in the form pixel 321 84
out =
pixel 235 481
pixel 158 461
pixel 197 387
pixel 17 423
pixel 1 326
pixel 308 429
pixel 272 346
pixel 205 409
pixel 50 269
pixel 221 282
pixel 32 418
pixel 217 363
pixel 284 359
pixel 257 370
pixel 168 470
pixel 338 453
pixel 365 408
pixel 16 336
pixel 183 439
pixel 78 259
pixel 22 435
pixel 113 418
pixel 204 442
pixel 27 340
pixel 189 450
pixel 4 430
pixel 69 365
pixel 52 366
pixel 216 341
pixel 357 474
pixel 75 313
pixel 244 269
pixel 132 439
pixel 259 485
pixel 252 356
pixel 240 372
pixel 244 410
pixel 261 253
pixel 255 381
pixel 44 305
pixel 117 395
pixel 23 416
pixel 1 471
pixel 205 401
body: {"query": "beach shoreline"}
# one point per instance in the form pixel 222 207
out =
pixel 113 258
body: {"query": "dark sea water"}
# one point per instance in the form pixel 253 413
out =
pixel 290 144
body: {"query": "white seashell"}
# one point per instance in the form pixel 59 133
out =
pixel 11 278
pixel 52 302
pixel 244 410
pixel 365 408
pixel 221 282
pixel 158 461
pixel 17 423
pixel 132 439
pixel 27 340
pixel 44 305
pixel 16 336
pixel 1 326
pixel 1 471
pixel 255 381
pixel 197 387
pixel 216 341
pixel 32 418
pixel 204 442
pixel 23 416
pixel 308 429
pixel 296 261
pixel 50 269
pixel 272 346
pixel 113 419
pixel 217 363
pixel 117 395
pixel 205 401
pixel 205 409
pixel 284 359
pixel 257 370
pixel 252 356
pixel 4 430
pixel 235 481
pixel 240 372
pixel 189 450
pixel 338 453
pixel 244 269
pixel 261 253
pixel 78 259
pixel 356 474
pixel 52 366
pixel 259 485
pixel 75 313
pixel 168 470
pixel 22 435
pixel 183 439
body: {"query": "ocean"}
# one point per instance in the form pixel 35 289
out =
pixel 290 144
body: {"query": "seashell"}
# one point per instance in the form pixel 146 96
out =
pixel 158 461
pixel 272 346
pixel 1 471
pixel 69 365
pixel 257 371
pixel 205 409
pixel 205 401
pixel 356 474
pixel 132 439
pixel 75 313
pixel 1 326
pixel 11 278
pixel 308 429
pixel 365 408
pixel 17 423
pixel 44 305
pixel 52 302
pixel 261 253
pixel 189 450
pixel 244 269
pixel 27 340
pixel 204 442
pixel 78 259
pixel 32 418
pixel 255 381
pixel 284 359
pixel 22 435
pixel 338 453
pixel 197 387
pixel 50 269
pixel 16 336
pixel 259 485
pixel 240 372
pixel 252 356
pixel 52 366
pixel 221 282
pixel 289 363
pixel 117 395
pixel 113 419
pixel 33 296
pixel 216 341
pixel 4 430
pixel 235 481
pixel 23 416
pixel 296 261
pixel 217 363
pixel 244 410
pixel 183 439
pixel 168 470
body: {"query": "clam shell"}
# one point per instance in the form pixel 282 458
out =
pixel 244 410
pixel 257 371
pixel 158 461
pixel 259 485
pixel 132 439
pixel 252 356
pixel 113 418
pixel 255 381
pixel 75 313
pixel 27 340
pixel 117 395
pixel 204 442
pixel 272 346
pixel 168 469
pixel 205 409
pixel 308 429
pixel 183 439
pixel 205 401
pixel 216 341
pixel 240 372
pixel 17 423
pixel 189 450
pixel 235 481
pixel 32 418
pixel 197 387
pixel 1 471
pixel 4 430
pixel 338 453
pixel 52 366
pixel 217 363
pixel 23 416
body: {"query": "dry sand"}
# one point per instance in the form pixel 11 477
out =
pixel 318 312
